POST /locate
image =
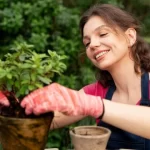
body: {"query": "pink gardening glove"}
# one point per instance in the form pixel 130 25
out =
pixel 3 99
pixel 56 97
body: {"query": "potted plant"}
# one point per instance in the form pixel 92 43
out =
pixel 22 71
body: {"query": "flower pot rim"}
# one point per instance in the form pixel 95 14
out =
pixel 90 136
pixel 27 118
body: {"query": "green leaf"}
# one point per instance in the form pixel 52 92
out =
pixel 9 76
pixel 33 77
pixel 44 79
pixel 31 87
pixel 38 85
pixel 9 85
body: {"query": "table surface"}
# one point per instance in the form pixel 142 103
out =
pixel 51 149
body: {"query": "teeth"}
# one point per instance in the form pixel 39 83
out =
pixel 101 53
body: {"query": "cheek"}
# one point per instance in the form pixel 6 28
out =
pixel 122 46
pixel 107 43
pixel 117 44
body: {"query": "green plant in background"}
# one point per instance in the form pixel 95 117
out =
pixel 147 39
pixel 24 70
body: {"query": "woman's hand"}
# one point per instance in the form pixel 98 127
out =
pixel 3 99
pixel 56 97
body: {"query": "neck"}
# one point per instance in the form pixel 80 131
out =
pixel 125 78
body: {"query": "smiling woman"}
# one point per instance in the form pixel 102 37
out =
pixel 119 99
pixel 102 46
pixel 110 23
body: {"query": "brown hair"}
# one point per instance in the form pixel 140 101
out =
pixel 115 16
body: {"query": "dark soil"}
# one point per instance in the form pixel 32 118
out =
pixel 15 110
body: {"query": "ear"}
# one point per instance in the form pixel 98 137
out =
pixel 131 36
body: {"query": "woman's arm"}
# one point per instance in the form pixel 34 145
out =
pixel 60 120
pixel 132 118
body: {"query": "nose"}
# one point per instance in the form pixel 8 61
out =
pixel 94 43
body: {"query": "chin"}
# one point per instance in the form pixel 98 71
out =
pixel 104 67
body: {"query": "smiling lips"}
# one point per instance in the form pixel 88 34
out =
pixel 97 56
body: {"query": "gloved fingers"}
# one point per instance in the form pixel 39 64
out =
pixel 28 110
pixel 24 102
pixel 45 106
pixel 28 104
pixel 41 110
pixel 51 102
pixel 44 109
pixel 29 107
pixel 28 101
pixel 4 102
pixel 53 97
pixel 3 99
pixel 37 102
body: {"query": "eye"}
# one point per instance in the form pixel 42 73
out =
pixel 104 34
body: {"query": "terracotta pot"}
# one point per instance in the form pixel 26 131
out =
pixel 89 137
pixel 24 134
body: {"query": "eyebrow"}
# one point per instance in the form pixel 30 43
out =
pixel 97 29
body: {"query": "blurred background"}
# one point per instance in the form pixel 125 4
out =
pixel 53 24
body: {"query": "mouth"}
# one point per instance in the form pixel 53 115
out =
pixel 100 54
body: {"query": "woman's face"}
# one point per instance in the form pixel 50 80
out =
pixel 104 47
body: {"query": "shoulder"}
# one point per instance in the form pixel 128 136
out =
pixel 95 89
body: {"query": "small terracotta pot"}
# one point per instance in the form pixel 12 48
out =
pixel 24 134
pixel 90 137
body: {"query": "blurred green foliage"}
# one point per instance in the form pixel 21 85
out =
pixel 53 24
